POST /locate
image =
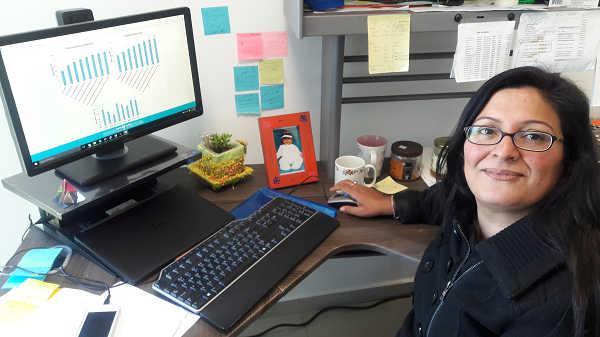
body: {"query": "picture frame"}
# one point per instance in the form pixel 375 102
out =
pixel 288 149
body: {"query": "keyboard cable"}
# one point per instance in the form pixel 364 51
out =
pixel 311 176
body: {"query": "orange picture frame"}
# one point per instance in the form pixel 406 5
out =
pixel 288 149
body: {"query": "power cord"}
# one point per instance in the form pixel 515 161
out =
pixel 31 224
pixel 328 309
pixel 311 176
pixel 22 251
pixel 61 272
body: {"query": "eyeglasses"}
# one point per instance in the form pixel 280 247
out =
pixel 527 140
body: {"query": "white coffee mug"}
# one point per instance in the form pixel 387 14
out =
pixel 372 149
pixel 353 168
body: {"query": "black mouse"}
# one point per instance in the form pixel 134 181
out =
pixel 339 200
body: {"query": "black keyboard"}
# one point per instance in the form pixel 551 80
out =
pixel 225 275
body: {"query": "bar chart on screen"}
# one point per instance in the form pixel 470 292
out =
pixel 82 75
pixel 83 71
pixel 117 113
pixel 137 61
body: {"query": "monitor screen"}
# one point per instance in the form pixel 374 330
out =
pixel 73 91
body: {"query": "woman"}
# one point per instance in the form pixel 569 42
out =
pixel 518 251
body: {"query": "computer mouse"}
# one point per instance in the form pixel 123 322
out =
pixel 339 200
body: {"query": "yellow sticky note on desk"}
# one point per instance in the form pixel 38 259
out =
pixel 14 311
pixel 389 186
pixel 35 292
pixel 389 39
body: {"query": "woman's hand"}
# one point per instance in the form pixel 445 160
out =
pixel 370 202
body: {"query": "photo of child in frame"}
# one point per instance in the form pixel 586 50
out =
pixel 289 153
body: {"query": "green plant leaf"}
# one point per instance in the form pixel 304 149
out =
pixel 220 143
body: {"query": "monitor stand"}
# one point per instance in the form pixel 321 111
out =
pixel 93 169
pixel 120 199
pixel 145 236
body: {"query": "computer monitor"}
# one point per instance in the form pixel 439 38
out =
pixel 85 89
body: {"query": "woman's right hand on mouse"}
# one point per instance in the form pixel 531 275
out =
pixel 370 202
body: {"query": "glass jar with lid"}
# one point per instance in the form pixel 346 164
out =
pixel 405 161
pixel 438 145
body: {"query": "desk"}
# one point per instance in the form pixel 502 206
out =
pixel 383 235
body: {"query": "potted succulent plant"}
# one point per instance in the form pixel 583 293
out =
pixel 222 160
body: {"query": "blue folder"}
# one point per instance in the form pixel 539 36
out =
pixel 264 195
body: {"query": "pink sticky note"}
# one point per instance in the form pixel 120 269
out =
pixel 249 46
pixel 275 44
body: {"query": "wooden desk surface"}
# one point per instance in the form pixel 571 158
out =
pixel 382 234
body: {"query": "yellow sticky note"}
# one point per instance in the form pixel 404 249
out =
pixel 14 311
pixel 35 292
pixel 270 71
pixel 389 186
pixel 389 39
pixel 53 293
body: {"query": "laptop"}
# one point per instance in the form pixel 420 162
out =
pixel 140 241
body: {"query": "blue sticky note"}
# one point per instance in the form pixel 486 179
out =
pixel 271 97
pixel 37 260
pixel 216 20
pixel 16 281
pixel 247 104
pixel 246 78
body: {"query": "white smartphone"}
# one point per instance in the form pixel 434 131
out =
pixel 100 321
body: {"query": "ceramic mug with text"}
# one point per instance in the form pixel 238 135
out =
pixel 353 168
pixel 372 149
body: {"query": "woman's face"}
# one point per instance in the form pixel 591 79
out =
pixel 503 177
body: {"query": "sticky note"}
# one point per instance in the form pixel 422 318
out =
pixel 35 292
pixel 246 78
pixel 389 186
pixel 271 97
pixel 247 104
pixel 216 20
pixel 15 311
pixel 275 44
pixel 389 38
pixel 36 260
pixel 249 46
pixel 271 71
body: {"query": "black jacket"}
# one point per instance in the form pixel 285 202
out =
pixel 511 284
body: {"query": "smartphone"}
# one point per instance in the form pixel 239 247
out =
pixel 100 321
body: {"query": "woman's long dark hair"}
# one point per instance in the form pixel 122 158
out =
pixel 572 208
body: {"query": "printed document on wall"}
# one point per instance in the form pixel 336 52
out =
pixel 389 37
pixel 482 50
pixel 563 41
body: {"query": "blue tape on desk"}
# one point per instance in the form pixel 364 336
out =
pixel 36 260
pixel 264 195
